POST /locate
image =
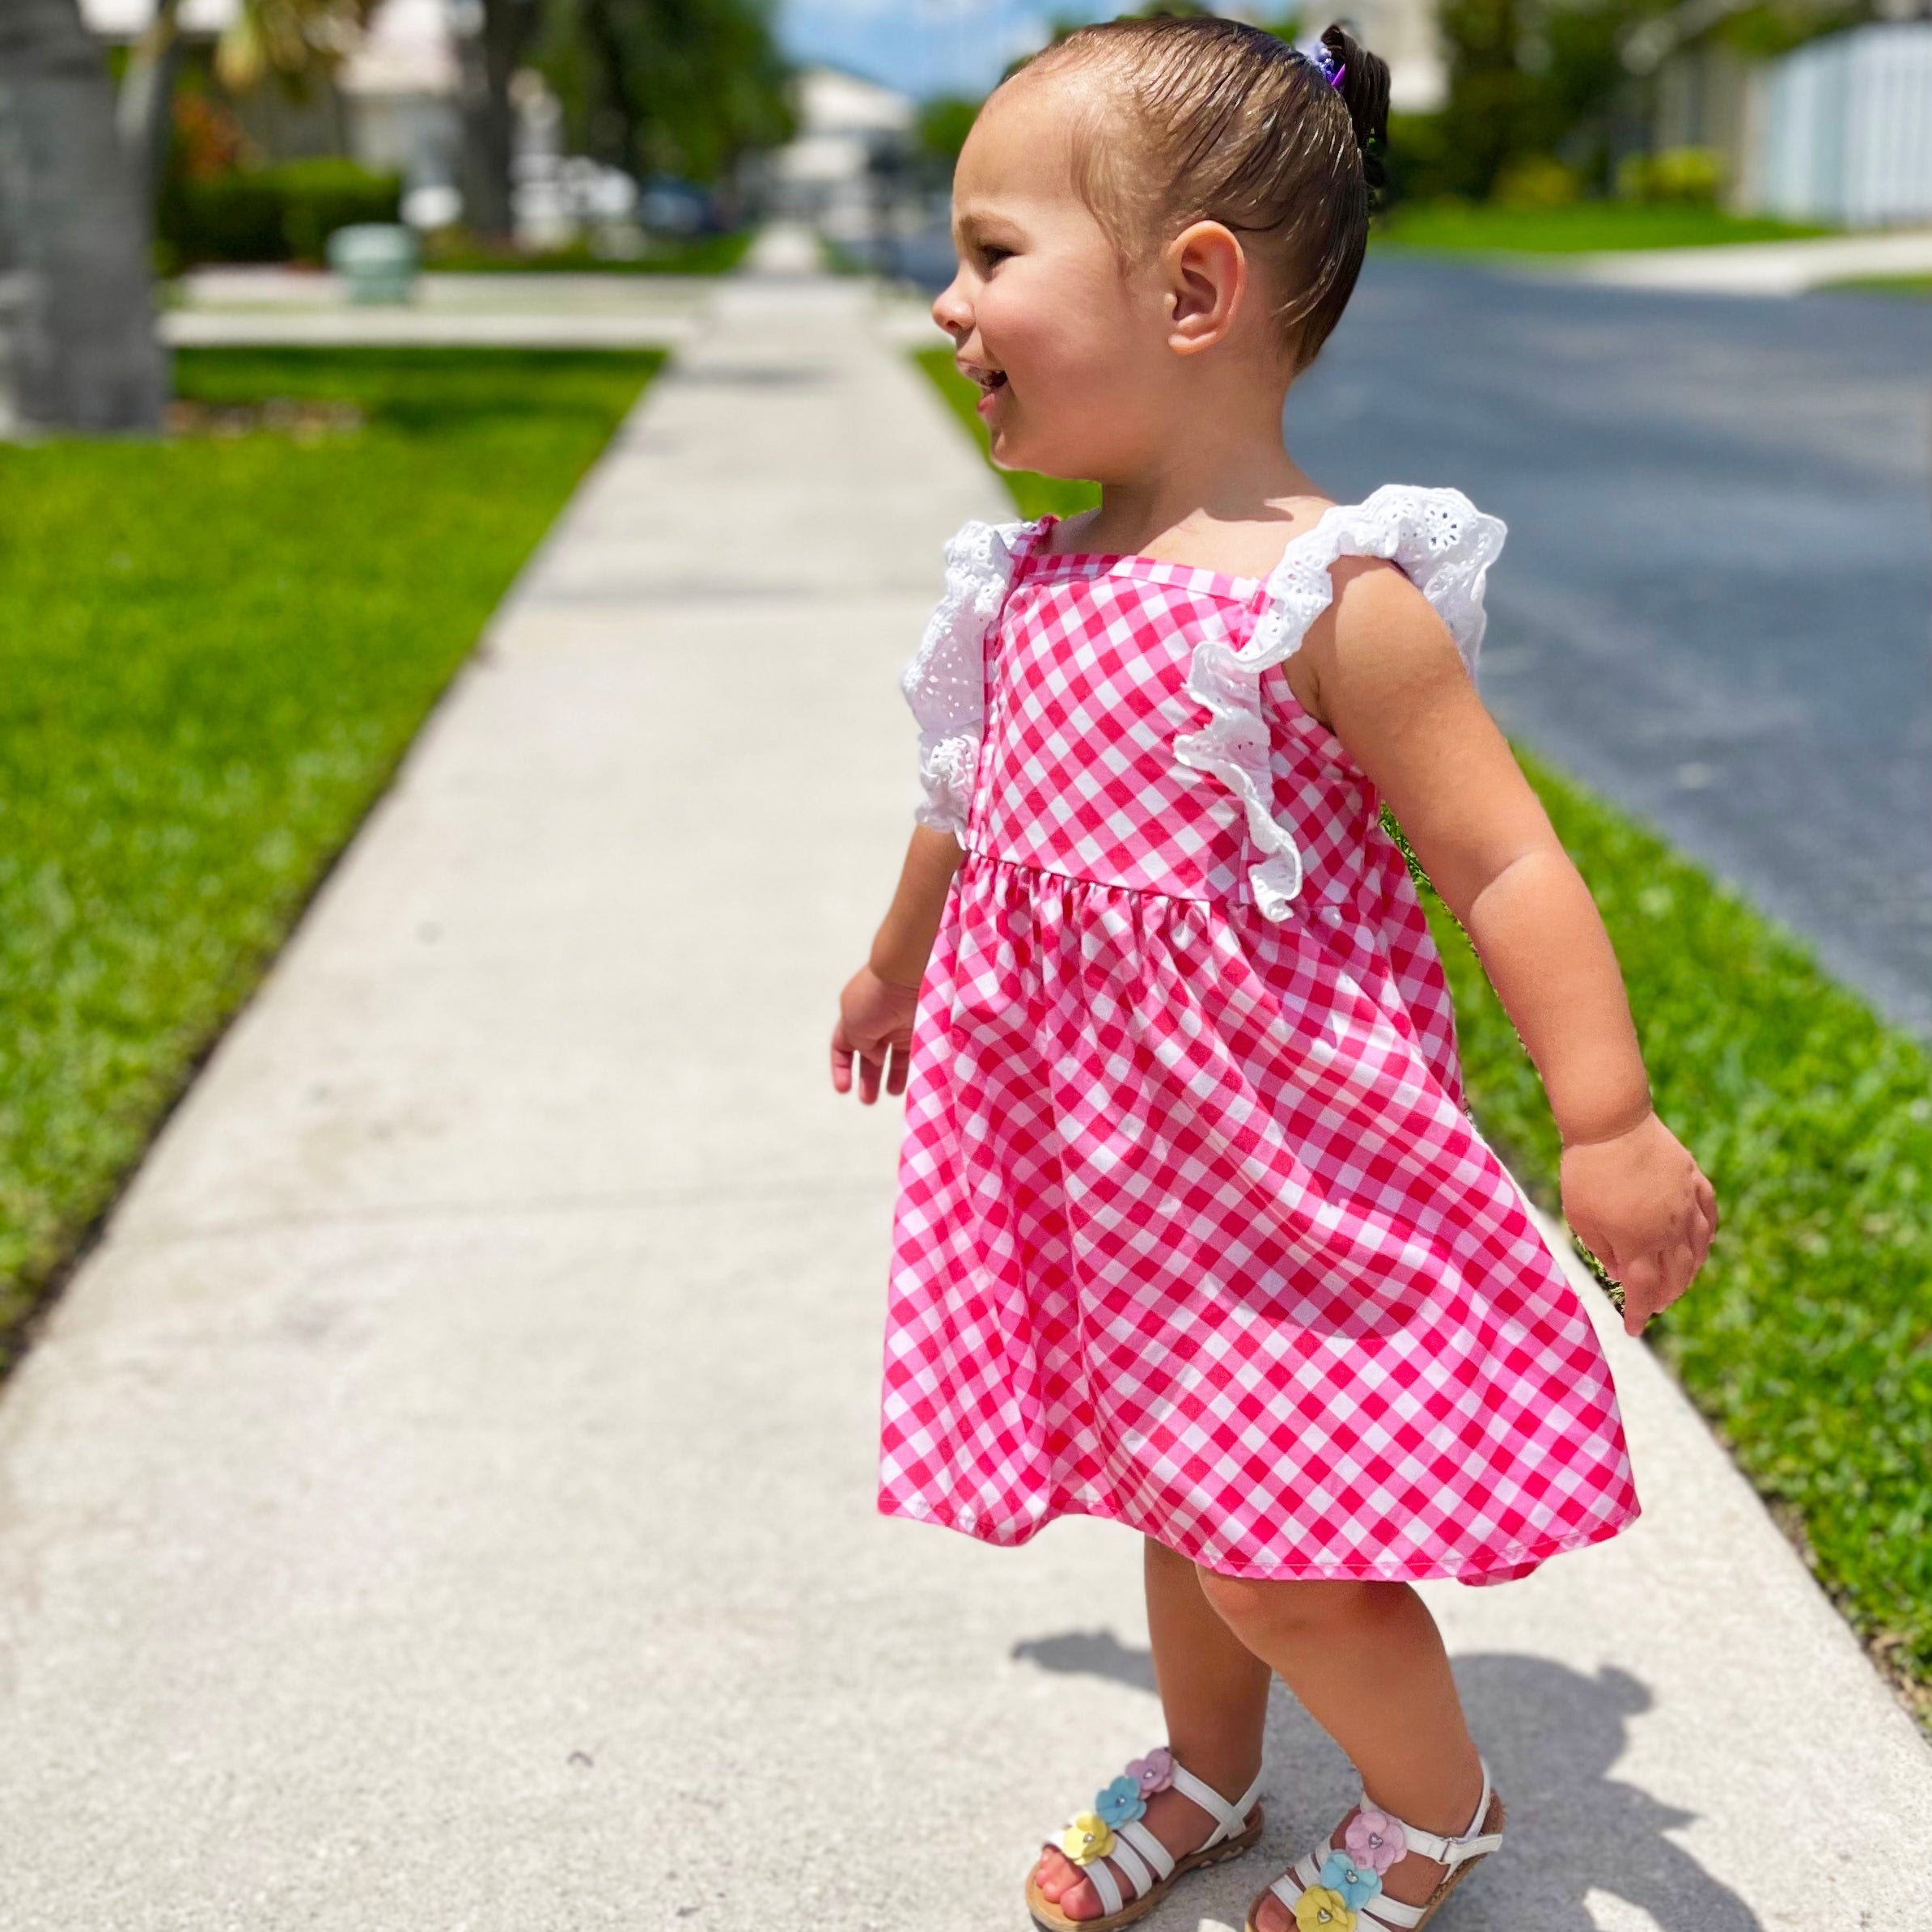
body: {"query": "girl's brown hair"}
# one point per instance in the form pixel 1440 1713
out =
pixel 1225 123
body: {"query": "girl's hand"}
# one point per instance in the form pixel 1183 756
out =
pixel 875 1024
pixel 1639 1204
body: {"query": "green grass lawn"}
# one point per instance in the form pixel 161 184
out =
pixel 699 255
pixel 1807 1342
pixel 1581 228
pixel 1916 286
pixel 213 652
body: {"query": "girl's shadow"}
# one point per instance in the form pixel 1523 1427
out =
pixel 1551 1735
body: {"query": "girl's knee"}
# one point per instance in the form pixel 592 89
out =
pixel 1288 1606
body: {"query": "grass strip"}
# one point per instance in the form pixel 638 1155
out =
pixel 1582 227
pixel 213 652
pixel 1917 287
pixel 692 255
pixel 1807 1342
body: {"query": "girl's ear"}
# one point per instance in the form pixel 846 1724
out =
pixel 1207 275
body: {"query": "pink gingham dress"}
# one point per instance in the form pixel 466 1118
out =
pixel 1193 1232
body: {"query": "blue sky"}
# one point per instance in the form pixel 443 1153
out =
pixel 925 46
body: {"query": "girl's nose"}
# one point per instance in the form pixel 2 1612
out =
pixel 953 312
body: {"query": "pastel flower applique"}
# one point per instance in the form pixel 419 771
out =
pixel 1375 1840
pixel 1153 1772
pixel 1121 1803
pixel 1088 1837
pixel 1357 1884
pixel 1321 1909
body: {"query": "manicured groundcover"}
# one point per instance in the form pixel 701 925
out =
pixel 214 649
pixel 1807 1342
pixel 1582 227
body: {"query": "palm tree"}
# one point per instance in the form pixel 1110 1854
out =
pixel 147 87
pixel 490 55
pixel 84 352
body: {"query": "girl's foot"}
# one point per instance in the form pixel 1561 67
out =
pixel 1178 1822
pixel 1148 1829
pixel 1339 1885
pixel 1411 1882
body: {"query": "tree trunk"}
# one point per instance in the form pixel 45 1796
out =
pixel 84 353
pixel 489 58
pixel 143 108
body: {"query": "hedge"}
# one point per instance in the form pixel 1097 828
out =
pixel 285 213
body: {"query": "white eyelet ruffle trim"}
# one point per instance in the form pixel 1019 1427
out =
pixel 945 682
pixel 1440 541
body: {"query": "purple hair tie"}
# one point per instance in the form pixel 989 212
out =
pixel 1325 65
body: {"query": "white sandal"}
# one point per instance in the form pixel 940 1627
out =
pixel 1112 1830
pixel 1339 1887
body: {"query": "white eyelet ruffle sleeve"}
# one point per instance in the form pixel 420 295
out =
pixel 1441 542
pixel 945 682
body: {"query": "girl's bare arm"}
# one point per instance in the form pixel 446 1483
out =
pixel 875 1009
pixel 1381 671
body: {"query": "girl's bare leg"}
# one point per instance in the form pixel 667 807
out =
pixel 1367 1661
pixel 1213 1691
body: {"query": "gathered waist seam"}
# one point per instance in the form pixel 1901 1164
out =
pixel 978 854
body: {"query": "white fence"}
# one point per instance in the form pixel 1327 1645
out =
pixel 1846 132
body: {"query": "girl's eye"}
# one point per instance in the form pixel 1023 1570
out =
pixel 993 257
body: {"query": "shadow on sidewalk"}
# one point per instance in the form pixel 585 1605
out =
pixel 1552 1735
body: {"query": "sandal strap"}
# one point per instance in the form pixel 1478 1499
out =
pixel 1474 1843
pixel 1132 1867
pixel 1150 1850
pixel 1231 1819
pixel 1103 1881
pixel 1378 1914
pixel 1144 1861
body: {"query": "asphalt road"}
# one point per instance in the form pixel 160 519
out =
pixel 1715 607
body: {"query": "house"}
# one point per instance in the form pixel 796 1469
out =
pixel 391 105
pixel 1403 32
pixel 1838 131
pixel 854 141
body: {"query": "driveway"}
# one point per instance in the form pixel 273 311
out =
pixel 1716 604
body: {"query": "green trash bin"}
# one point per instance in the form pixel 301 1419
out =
pixel 377 260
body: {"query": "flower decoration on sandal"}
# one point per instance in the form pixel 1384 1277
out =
pixel 1321 1909
pixel 1121 1803
pixel 1375 1840
pixel 1357 1884
pixel 1087 1838
pixel 1153 1772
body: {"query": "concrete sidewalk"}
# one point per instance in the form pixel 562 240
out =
pixel 444 1499
pixel 1786 267
pixel 287 307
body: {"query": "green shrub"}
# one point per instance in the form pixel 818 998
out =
pixel 1417 159
pixel 319 197
pixel 285 213
pixel 1692 174
pixel 1538 181
pixel 234 218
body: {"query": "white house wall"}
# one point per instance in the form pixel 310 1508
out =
pixel 1847 129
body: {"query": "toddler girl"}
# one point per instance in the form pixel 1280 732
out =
pixel 1193 1232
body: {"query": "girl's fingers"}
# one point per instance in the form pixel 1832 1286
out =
pixel 1679 1268
pixel 841 1060
pixel 1642 1293
pixel 1699 1235
pixel 896 1070
pixel 1707 1206
pixel 868 1070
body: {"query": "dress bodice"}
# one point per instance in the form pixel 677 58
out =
pixel 1124 721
